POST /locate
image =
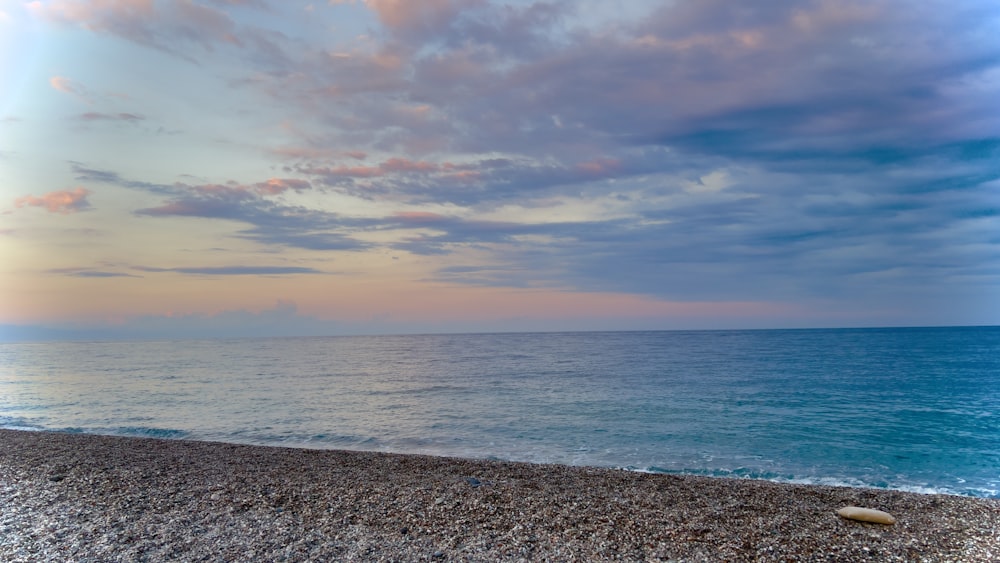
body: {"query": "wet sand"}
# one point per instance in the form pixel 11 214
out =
pixel 100 498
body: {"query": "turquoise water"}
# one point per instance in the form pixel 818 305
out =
pixel 914 409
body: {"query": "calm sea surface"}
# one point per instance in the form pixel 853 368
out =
pixel 914 409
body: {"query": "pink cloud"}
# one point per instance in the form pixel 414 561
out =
pixel 64 201
pixel 62 84
pixel 97 15
pixel 407 14
pixel 71 87
pixel 599 166
pixel 420 217
pixel 275 186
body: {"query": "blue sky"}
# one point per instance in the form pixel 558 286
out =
pixel 217 167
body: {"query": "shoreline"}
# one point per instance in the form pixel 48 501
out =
pixel 184 436
pixel 86 496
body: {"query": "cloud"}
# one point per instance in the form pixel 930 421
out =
pixel 64 84
pixel 183 28
pixel 85 174
pixel 68 86
pixel 483 181
pixel 311 153
pixel 313 234
pixel 799 234
pixel 97 116
pixel 788 81
pixel 63 201
pixel 194 200
pixel 673 83
pixel 191 270
pixel 271 222
pixel 276 186
pixel 259 4
pixel 166 26
pixel 425 18
pixel 237 270
pixel 518 31
pixel 810 149
pixel 90 273
pixel 216 208
pixel 390 166
pixel 450 233
pixel 227 201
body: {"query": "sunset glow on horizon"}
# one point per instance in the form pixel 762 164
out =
pixel 174 168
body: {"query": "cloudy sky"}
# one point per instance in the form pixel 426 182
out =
pixel 219 167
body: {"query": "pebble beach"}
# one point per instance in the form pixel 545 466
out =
pixel 81 497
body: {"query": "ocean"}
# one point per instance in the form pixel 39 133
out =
pixel 915 409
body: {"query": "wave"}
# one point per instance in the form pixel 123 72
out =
pixel 138 431
pixel 750 474
pixel 150 432
pixel 264 437
pixel 17 423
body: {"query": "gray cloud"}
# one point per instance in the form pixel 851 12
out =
pixel 98 116
pixel 84 174
pixel 272 222
pixel 236 270
pixel 195 270
pixel 859 143
pixel 89 273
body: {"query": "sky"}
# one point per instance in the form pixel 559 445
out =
pixel 191 168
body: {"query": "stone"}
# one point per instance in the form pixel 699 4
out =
pixel 866 515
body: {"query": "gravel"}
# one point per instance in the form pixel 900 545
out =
pixel 76 497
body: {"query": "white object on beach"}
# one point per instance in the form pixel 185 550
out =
pixel 866 515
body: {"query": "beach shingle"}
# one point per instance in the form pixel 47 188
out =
pixel 101 498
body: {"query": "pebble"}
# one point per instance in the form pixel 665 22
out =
pixel 130 499
pixel 867 515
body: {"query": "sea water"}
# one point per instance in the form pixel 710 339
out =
pixel 914 409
